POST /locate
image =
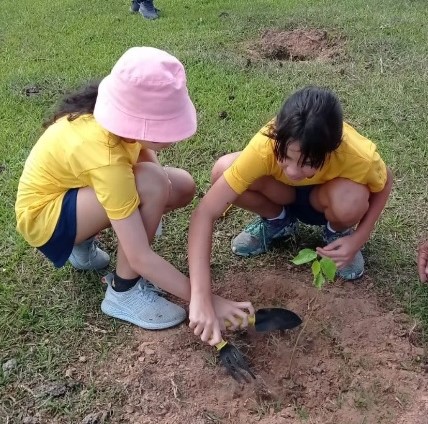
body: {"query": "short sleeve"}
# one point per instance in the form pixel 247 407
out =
pixel 249 166
pixel 376 176
pixel 115 188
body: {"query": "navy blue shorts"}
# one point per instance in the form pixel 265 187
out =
pixel 303 210
pixel 60 245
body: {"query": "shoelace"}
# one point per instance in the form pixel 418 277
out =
pixel 147 293
pixel 152 287
pixel 257 227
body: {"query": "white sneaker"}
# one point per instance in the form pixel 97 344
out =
pixel 143 307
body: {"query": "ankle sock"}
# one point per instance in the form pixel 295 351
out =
pixel 120 284
pixel 329 228
pixel 280 216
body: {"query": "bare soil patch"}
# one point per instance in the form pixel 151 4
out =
pixel 355 364
pixel 296 45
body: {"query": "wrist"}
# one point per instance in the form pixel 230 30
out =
pixel 360 237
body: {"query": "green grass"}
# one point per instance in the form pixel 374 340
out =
pixel 47 316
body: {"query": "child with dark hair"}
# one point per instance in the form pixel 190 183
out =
pixel 307 165
pixel 96 166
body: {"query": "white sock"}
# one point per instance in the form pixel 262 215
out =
pixel 280 216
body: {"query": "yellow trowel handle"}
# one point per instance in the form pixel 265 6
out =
pixel 251 321
pixel 221 345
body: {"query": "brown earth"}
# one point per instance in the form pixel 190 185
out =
pixel 355 363
pixel 296 45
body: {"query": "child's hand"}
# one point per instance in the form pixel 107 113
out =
pixel 234 312
pixel 423 261
pixel 341 251
pixel 204 321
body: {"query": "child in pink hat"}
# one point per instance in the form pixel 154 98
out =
pixel 96 166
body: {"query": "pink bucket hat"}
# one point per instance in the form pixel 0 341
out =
pixel 145 97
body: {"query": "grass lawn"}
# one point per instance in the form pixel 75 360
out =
pixel 50 319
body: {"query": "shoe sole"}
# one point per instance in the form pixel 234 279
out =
pixel 114 313
pixel 352 279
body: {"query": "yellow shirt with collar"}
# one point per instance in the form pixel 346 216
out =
pixel 356 159
pixel 74 154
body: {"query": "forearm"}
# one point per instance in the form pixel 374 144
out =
pixel 154 268
pixel 200 242
pixel 377 202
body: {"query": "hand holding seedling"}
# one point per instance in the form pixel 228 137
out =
pixel 341 251
pixel 423 261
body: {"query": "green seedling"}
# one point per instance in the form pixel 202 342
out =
pixel 323 269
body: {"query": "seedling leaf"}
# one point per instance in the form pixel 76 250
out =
pixel 328 268
pixel 319 280
pixel 316 268
pixel 304 256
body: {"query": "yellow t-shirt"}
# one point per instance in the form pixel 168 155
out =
pixel 74 154
pixel 356 159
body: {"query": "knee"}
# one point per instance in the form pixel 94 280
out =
pixel 348 201
pixel 152 182
pixel 221 165
pixel 187 188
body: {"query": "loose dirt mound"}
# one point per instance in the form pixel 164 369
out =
pixel 354 364
pixel 296 45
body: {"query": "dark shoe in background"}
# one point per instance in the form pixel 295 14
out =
pixel 148 10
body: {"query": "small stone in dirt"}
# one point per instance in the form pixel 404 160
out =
pixel 30 420
pixel 129 409
pixel 82 359
pixel 223 114
pixel 70 371
pixel 143 345
pixel 149 351
pixel 288 412
pixel 9 366
pixel 141 359
pixel 31 90
pixel 52 390
pixel 94 418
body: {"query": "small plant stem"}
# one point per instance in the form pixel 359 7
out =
pixel 300 334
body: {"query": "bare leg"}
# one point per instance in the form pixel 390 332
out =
pixel 342 201
pixel 161 190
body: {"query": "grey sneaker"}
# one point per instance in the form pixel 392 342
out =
pixel 143 307
pixel 258 236
pixel 148 10
pixel 353 270
pixel 88 256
